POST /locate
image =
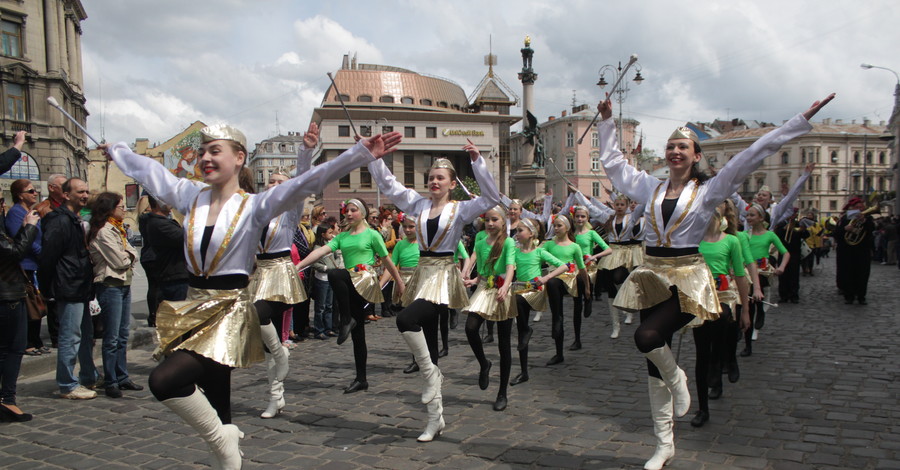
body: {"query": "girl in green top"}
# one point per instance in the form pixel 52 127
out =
pixel 587 238
pixel 529 288
pixel 722 253
pixel 357 284
pixel 563 247
pixel 727 359
pixel 761 241
pixel 492 300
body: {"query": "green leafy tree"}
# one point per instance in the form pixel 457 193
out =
pixel 459 194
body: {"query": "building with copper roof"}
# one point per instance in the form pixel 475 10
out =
pixel 851 159
pixel 434 115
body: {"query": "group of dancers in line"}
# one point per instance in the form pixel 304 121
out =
pixel 688 270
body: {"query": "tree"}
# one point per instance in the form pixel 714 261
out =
pixel 459 194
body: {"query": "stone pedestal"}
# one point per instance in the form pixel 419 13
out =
pixel 529 183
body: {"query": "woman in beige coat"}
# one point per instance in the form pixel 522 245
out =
pixel 113 258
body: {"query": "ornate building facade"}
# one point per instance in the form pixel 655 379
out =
pixel 40 56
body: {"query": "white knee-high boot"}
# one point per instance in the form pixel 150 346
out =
pixel 614 317
pixel 674 377
pixel 415 340
pixel 663 423
pixel 223 439
pixel 435 420
pixel 277 369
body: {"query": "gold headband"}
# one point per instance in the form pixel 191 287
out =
pixel 362 207
pixel 499 208
pixel 283 171
pixel 443 163
pixel 765 188
pixel 684 133
pixel 530 226
pixel 564 220
pixel 515 201
pixel 223 132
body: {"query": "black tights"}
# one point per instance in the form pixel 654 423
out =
pixel 179 374
pixel 270 311
pixel 444 321
pixel 524 309
pixel 658 324
pixel 756 309
pixel 422 315
pixel 709 339
pixel 580 300
pixel 504 328
pixel 556 289
pixel 350 304
pixel 614 278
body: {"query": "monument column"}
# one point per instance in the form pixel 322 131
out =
pixel 529 179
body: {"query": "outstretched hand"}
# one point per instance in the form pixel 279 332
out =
pixel 105 149
pixel 311 138
pixel 19 140
pixel 472 149
pixel 382 144
pixel 809 113
pixel 810 167
pixel 605 108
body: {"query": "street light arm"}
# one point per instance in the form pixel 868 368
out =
pixel 870 66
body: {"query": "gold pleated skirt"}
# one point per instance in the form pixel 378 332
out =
pixel 623 256
pixel 570 280
pixel 405 275
pixel 769 270
pixel 277 280
pixel 437 280
pixel 366 284
pixel 537 299
pixel 222 325
pixel 648 285
pixel 592 271
pixel 484 303
pixel 730 297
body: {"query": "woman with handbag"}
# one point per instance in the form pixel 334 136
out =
pixel 12 314
pixel 24 198
pixel 113 259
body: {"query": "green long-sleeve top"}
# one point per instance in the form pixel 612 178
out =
pixel 745 247
pixel 360 248
pixel 723 256
pixel 460 252
pixel 507 257
pixel 587 241
pixel 528 265
pixel 567 254
pixel 405 254
pixel 759 244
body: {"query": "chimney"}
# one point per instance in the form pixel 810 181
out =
pixel 866 122
pixel 345 63
pixel 826 121
pixel 838 121
pixel 881 123
pixel 853 121
pixel 551 118
pixel 563 114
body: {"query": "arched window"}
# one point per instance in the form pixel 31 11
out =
pixel 834 156
pixel 26 168
pixel 868 157
pixel 802 155
pixel 455 106
pixel 881 158
pixel 442 104
pixel 364 99
pixel 425 102
pixel 341 97
pixel 407 100
pixel 595 161
pixel 855 157
pixel 386 99
pixel 785 158
pixel 760 182
pixel 832 183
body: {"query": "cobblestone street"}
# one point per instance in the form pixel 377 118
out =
pixel 820 391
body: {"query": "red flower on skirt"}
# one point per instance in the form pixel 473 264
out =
pixel 721 282
pixel 360 267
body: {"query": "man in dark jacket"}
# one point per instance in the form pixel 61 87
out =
pixel 162 256
pixel 66 275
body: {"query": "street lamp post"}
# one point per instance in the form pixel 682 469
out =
pixel 894 124
pixel 622 92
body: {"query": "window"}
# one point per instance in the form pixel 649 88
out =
pixel 425 102
pixel 15 101
pixel 431 132
pixel 832 205
pixel 344 98
pixel 595 161
pixel 868 157
pixel 343 131
pixel 455 106
pixel 746 187
pixel 855 183
pixel 868 185
pixel 881 158
pixel 855 157
pixel 260 179
pixel 442 104
pixel 25 167
pixel 365 178
pixel 409 170
pixel 282 148
pixel 344 182
pixel 409 131
pixel 802 155
pixel 570 139
pixel 784 181
pixel 810 183
pixel 595 189
pixel 386 99
pixel 785 158
pixel 832 183
pixel 834 157
pixel 364 99
pixel 11 41
pixel 570 162
pixel 759 183
pixel 386 129
pixel 595 140
pixel 365 131
pixel 407 100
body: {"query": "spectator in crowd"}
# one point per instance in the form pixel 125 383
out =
pixel 322 293
pixel 24 198
pixel 54 200
pixel 66 274
pixel 164 238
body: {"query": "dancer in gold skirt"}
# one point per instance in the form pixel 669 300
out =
pixel 563 247
pixel 587 238
pixel 436 284
pixel 675 285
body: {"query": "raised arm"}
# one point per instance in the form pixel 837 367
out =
pixel 404 198
pixel 13 154
pixel 155 178
pixel 490 195
pixel 783 209
pixel 635 184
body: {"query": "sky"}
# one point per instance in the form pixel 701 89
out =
pixel 153 68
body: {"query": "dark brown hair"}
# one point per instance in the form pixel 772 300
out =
pixel 102 207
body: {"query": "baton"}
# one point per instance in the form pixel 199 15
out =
pixel 56 105
pixel 631 61
pixel 341 99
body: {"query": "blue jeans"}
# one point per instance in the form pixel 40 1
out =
pixel 76 332
pixel 13 332
pixel 115 307
pixel 323 295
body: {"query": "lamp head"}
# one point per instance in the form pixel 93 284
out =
pixel 52 101
pixel 866 66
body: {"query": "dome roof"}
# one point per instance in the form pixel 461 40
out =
pixel 378 85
